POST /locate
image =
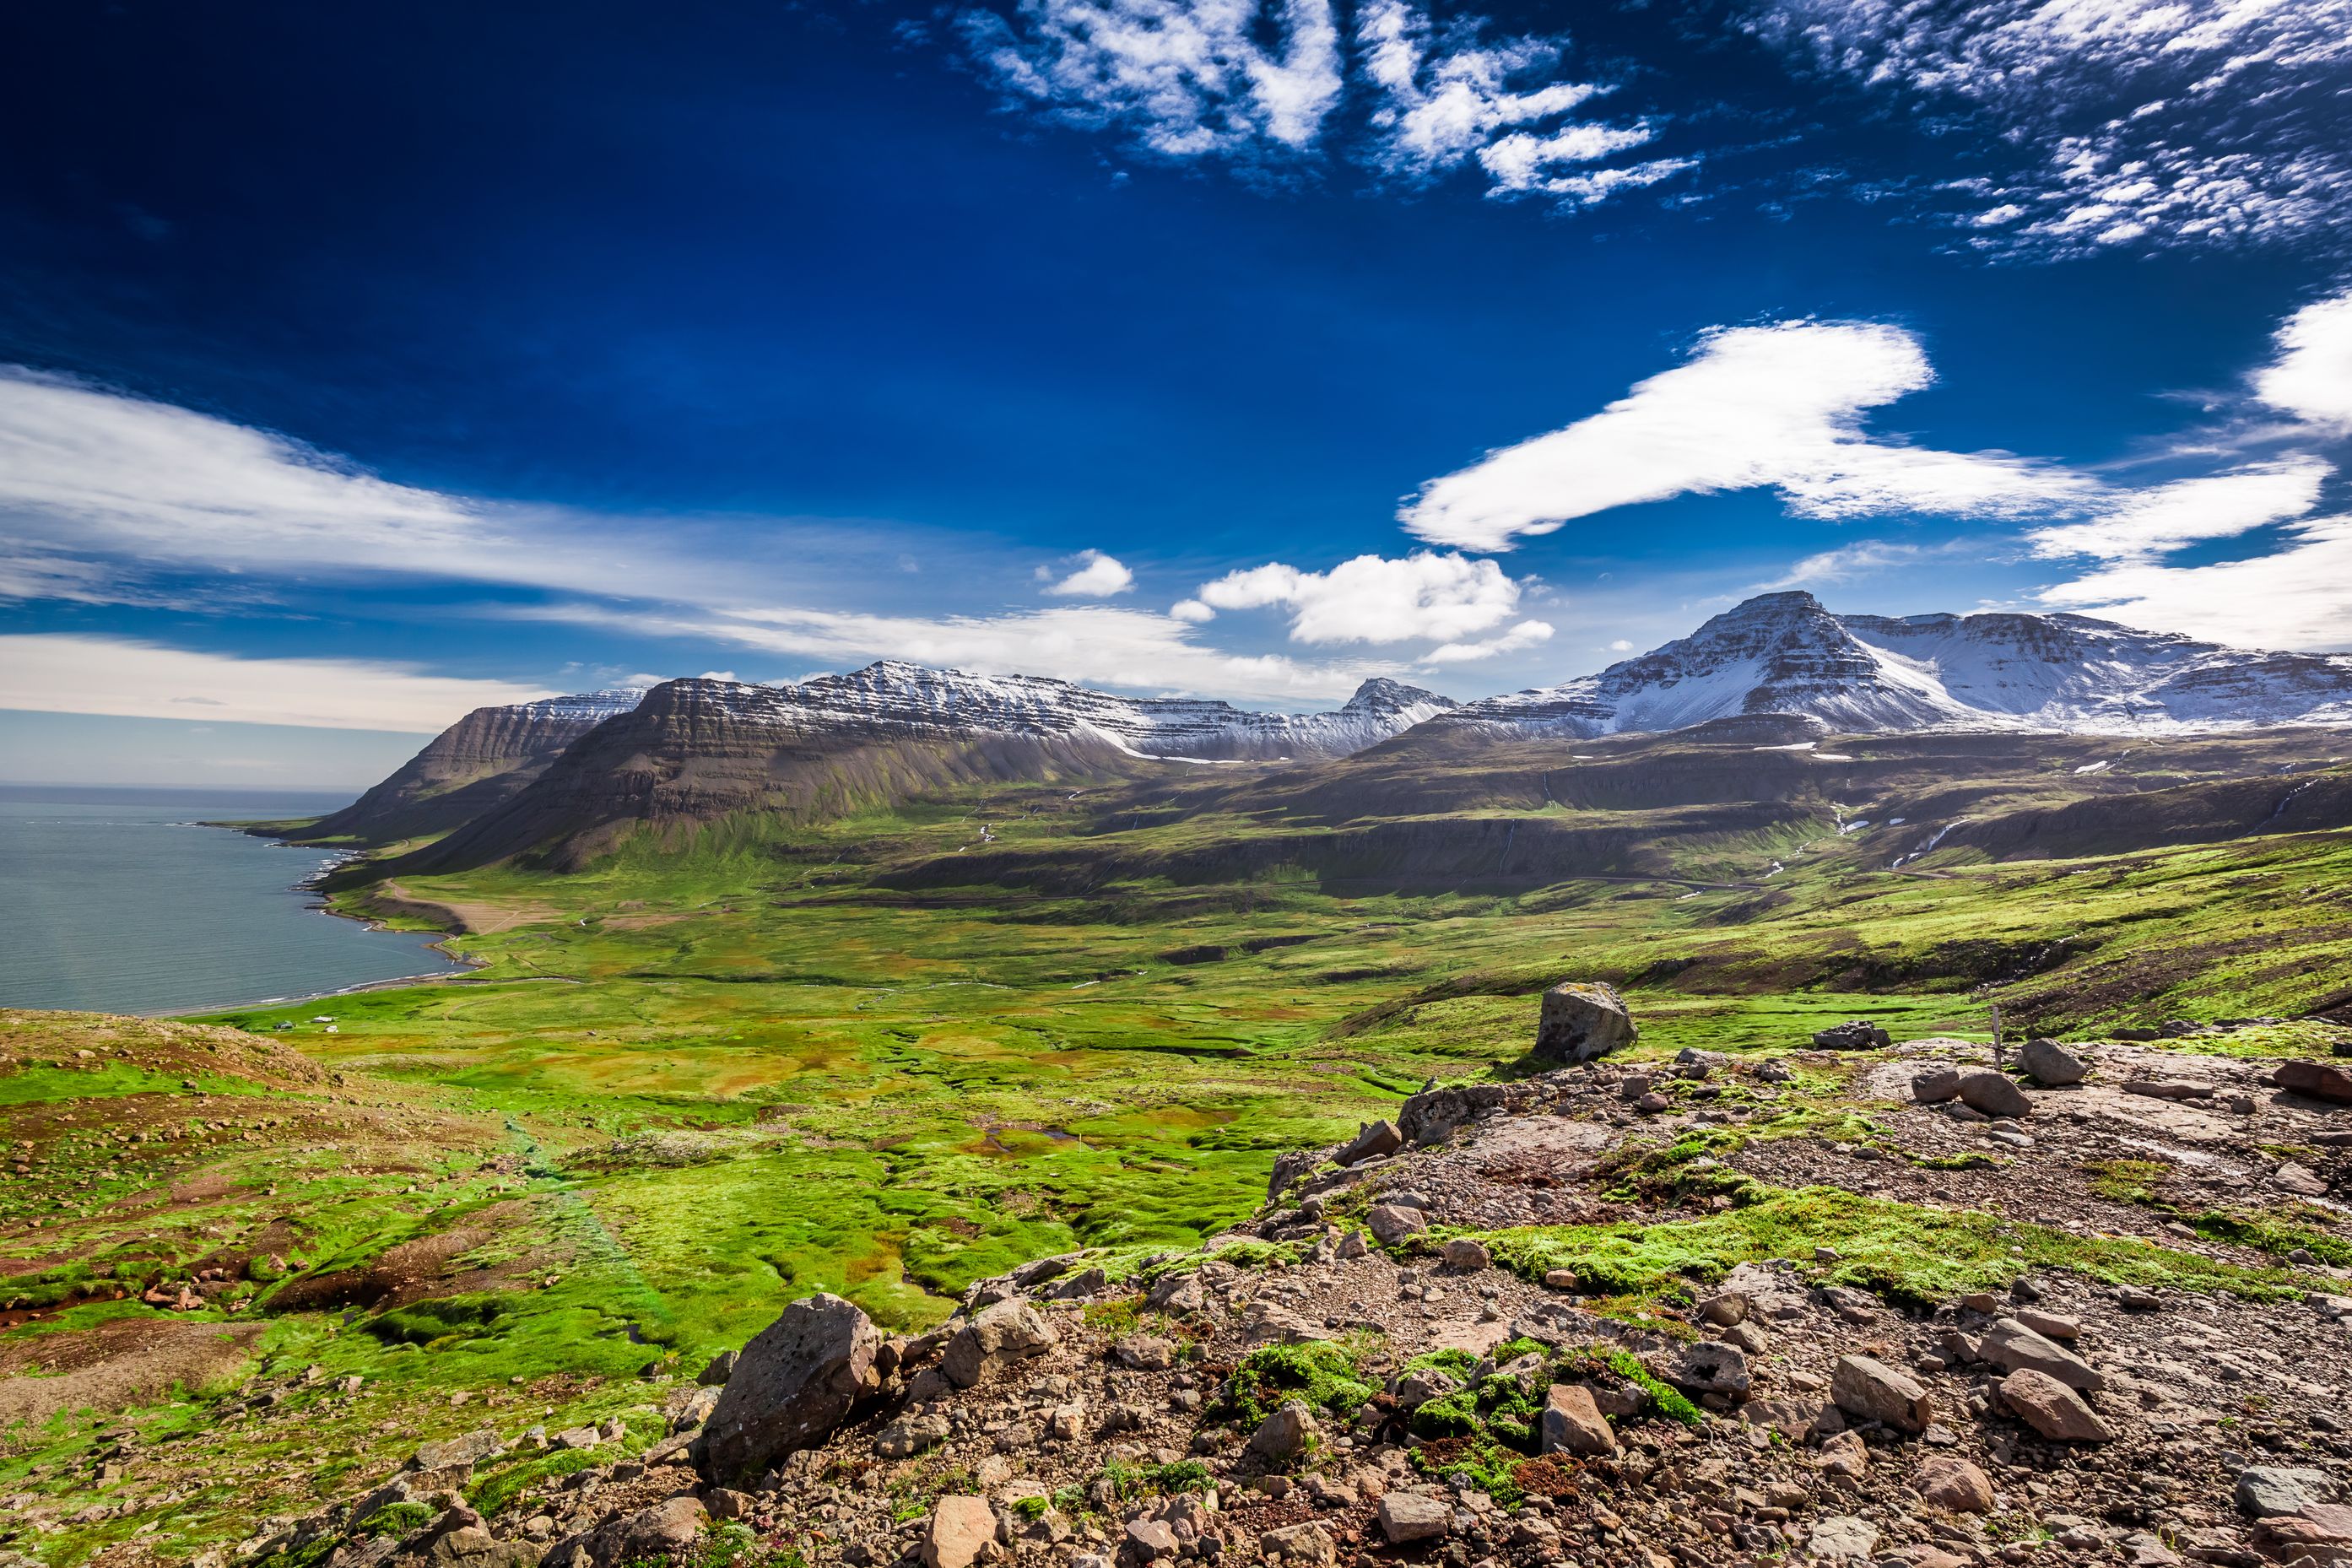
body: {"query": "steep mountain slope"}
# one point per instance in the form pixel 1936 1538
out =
pixel 697 750
pixel 473 766
pixel 1784 653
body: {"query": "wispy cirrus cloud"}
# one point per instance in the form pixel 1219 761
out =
pixel 1266 86
pixel 130 678
pixel 2110 123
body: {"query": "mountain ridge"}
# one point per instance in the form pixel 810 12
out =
pixel 1786 653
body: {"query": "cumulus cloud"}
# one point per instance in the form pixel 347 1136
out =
pixel 1370 599
pixel 1097 576
pixel 1525 634
pixel 61 673
pixel 1092 644
pixel 1776 406
pixel 2311 374
pixel 1263 84
pixel 2298 596
pixel 2140 526
pixel 2146 124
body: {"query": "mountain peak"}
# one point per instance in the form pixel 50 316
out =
pixel 1381 695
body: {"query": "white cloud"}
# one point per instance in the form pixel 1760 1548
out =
pixel 1525 634
pixel 1776 406
pixel 2147 524
pixel 2311 374
pixel 1262 83
pixel 1620 646
pixel 2300 596
pixel 1095 645
pixel 1186 79
pixel 2148 123
pixel 1371 598
pixel 1097 576
pixel 61 673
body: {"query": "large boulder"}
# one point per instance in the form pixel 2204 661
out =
pixel 1370 1141
pixel 1853 1034
pixel 2051 1065
pixel 1572 1420
pixel 998 1335
pixel 2321 1080
pixel 1583 1020
pixel 791 1386
pixel 2011 1346
pixel 1993 1093
pixel 2051 1408
pixel 959 1531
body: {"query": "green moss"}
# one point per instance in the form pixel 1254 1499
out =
pixel 1917 1257
pixel 1323 1375
pixel 396 1520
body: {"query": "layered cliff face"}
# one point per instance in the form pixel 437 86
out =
pixel 695 752
pixel 473 767
pixel 1784 653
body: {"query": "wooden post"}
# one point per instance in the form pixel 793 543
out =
pixel 1995 1035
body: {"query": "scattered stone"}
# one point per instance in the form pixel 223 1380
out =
pixel 959 1531
pixel 1573 1422
pixel 2051 1065
pixel 792 1385
pixel 1870 1390
pixel 1853 1034
pixel 2164 1089
pixel 1950 1482
pixel 1391 1223
pixel 2051 1408
pixel 1713 1367
pixel 1582 1021
pixel 1407 1516
pixel 2301 1179
pixel 1465 1257
pixel 1145 1352
pixel 451 1452
pixel 718 1369
pixel 1843 1538
pixel 910 1434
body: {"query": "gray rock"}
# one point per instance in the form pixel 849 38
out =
pixel 1710 1366
pixel 1177 1293
pixel 1407 1516
pixel 1993 1094
pixel 2010 1346
pixel 468 1448
pixel 1936 1086
pixel 718 1369
pixel 2048 1062
pixel 1284 1435
pixel 1391 1223
pixel 1378 1138
pixel 793 1383
pixel 1145 1352
pixel 910 1434
pixel 2051 1408
pixel 2321 1080
pixel 996 1337
pixel 1870 1390
pixel 1467 1257
pixel 1853 1034
pixel 1583 1021
pixel 2266 1490
pixel 1572 1421
pixel 1843 1538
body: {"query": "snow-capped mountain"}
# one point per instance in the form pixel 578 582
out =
pixel 1783 653
pixel 695 752
pixel 912 701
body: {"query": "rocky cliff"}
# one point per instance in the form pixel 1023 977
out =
pixel 473 767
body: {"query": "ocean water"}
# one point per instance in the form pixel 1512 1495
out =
pixel 113 899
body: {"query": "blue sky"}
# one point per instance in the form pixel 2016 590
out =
pixel 364 368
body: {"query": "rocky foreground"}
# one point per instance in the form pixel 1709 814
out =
pixel 1873 1305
